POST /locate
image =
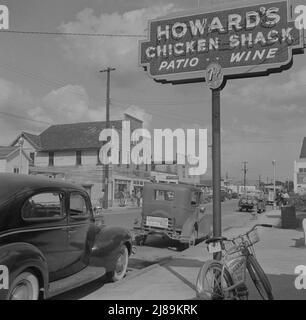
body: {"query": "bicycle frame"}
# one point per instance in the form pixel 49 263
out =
pixel 245 248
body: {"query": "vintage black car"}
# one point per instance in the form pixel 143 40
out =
pixel 49 241
pixel 175 211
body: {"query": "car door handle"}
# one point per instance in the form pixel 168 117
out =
pixel 71 231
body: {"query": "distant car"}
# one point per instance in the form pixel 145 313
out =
pixel 49 241
pixel 234 195
pixel 247 203
pixel 224 195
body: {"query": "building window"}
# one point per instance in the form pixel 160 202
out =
pixel 16 170
pixel 119 163
pixel 51 159
pixel 79 158
pixel 98 158
pixel 32 157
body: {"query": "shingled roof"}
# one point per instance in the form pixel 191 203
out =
pixel 303 150
pixel 72 136
pixel 84 135
pixel 6 151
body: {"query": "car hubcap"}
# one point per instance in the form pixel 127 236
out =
pixel 23 291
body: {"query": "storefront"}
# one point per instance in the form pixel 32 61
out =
pixel 162 177
pixel 300 177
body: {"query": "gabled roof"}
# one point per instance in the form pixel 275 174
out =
pixel 33 139
pixel 83 135
pixel 303 150
pixel 73 136
pixel 6 151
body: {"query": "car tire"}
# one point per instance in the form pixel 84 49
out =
pixel 120 267
pixel 24 287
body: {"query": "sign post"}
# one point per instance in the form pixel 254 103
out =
pixel 214 47
pixel 216 162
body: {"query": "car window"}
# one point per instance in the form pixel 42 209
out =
pixel 78 206
pixel 164 195
pixel 44 205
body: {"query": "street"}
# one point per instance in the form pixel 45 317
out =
pixel 156 249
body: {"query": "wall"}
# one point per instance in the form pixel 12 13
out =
pixel 42 159
pixel 64 158
pixel 3 165
pixel 13 162
pixel 297 165
pixel 89 157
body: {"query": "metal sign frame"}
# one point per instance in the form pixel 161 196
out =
pixel 251 70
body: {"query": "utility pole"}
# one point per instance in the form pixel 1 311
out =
pixel 245 170
pixel 105 183
pixel 20 144
pixel 274 182
pixel 259 181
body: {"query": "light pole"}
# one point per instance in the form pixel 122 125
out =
pixel 274 183
pixel 20 144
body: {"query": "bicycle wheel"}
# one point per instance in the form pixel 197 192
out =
pixel 259 278
pixel 212 282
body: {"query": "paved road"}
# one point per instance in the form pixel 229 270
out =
pixel 156 248
pixel 230 216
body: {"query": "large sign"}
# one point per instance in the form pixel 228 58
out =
pixel 248 41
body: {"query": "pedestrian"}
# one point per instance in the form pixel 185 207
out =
pixel 285 198
pixel 121 199
pixel 133 197
pixel 278 199
pixel 101 199
pixel 138 198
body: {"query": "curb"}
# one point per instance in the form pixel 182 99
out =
pixel 140 272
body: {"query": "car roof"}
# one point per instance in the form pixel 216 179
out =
pixel 11 183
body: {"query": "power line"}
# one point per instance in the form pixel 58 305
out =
pixel 23 118
pixel 47 33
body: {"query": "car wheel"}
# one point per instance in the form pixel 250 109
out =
pixel 121 265
pixel 24 287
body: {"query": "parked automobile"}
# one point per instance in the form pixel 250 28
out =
pixel 175 211
pixel 247 203
pixel 49 240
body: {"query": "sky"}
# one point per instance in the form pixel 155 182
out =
pixel 55 79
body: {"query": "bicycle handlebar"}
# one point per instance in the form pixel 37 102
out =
pixel 264 225
pixel 216 239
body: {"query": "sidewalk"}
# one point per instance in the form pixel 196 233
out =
pixel 278 252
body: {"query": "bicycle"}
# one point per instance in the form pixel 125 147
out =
pixel 226 279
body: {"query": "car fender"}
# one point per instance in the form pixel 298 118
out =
pixel 107 244
pixel 20 256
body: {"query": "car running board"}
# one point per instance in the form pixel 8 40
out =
pixel 76 280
